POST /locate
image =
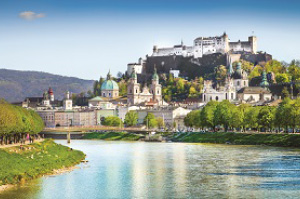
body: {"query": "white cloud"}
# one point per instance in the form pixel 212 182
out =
pixel 29 15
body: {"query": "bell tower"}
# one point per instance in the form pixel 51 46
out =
pixel 133 89
pixel 156 88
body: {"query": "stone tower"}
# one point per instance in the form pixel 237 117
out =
pixel 68 104
pixel 156 88
pixel 133 89
pixel 253 42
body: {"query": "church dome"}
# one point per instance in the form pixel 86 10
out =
pixel 109 84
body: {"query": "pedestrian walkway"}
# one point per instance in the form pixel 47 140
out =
pixel 18 144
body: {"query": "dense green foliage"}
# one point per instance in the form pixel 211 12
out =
pixel 30 161
pixel 113 136
pixel 131 118
pixel 178 89
pixel 17 85
pixel 285 140
pixel 228 116
pixel 16 121
pixel 150 120
pixel 112 121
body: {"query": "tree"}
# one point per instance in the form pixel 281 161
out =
pixel 265 117
pixel 224 114
pixel 160 122
pixel 207 115
pixel 275 67
pixel 285 93
pixel 251 117
pixel 122 88
pixel 120 75
pixel 294 70
pixel 150 120
pixel 192 92
pixel 282 78
pixel 131 118
pixel 112 121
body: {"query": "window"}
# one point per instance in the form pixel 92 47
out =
pixel 204 97
pixel 226 96
pixel 103 94
pixel 210 98
pixel 136 91
pixel 237 83
pixel 244 83
pixel 231 95
pixel 217 98
pixel 157 91
pixel 109 94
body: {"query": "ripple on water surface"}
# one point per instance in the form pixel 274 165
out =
pixel 171 170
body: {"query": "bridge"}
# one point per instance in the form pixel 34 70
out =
pixel 79 132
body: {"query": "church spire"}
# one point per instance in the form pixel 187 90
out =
pixel 155 75
pixel 264 81
pixel 108 75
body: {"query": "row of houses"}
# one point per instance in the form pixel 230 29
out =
pixel 85 117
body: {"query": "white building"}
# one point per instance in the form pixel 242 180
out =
pixel 136 97
pixel 209 45
pixel 137 67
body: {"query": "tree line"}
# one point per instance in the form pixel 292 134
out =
pixel 16 122
pixel 216 115
pixel 131 120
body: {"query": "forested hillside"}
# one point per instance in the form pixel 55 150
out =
pixel 16 85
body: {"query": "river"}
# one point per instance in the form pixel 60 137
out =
pixel 170 170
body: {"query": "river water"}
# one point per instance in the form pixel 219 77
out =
pixel 171 170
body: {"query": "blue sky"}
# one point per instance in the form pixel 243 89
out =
pixel 86 38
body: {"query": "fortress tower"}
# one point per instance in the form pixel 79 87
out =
pixel 253 43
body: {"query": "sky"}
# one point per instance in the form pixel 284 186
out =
pixel 87 38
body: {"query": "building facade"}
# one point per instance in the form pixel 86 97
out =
pixel 136 97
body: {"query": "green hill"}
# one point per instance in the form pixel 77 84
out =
pixel 16 85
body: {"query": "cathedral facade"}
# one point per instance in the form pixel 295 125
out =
pixel 136 96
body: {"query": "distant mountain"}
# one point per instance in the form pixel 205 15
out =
pixel 16 85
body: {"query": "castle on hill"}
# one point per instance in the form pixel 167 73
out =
pixel 209 45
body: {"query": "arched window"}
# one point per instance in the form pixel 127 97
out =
pixel 231 95
pixel 217 98
pixel 135 90
pixel 103 94
pixel 204 97
pixel 244 83
pixel 157 91
pixel 210 98
pixel 238 83
pixel 226 96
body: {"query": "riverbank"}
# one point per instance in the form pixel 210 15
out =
pixel 21 163
pixel 113 136
pixel 280 140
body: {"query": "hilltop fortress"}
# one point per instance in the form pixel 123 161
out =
pixel 209 45
pixel 200 59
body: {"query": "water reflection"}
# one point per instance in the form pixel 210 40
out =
pixel 172 170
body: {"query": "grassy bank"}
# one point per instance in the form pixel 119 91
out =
pixel 113 136
pixel 283 140
pixel 18 164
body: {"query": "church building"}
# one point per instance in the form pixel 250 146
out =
pixel 137 97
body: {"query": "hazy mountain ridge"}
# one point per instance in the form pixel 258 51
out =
pixel 15 85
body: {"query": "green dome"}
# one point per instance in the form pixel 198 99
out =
pixel 109 85
pixel 264 82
